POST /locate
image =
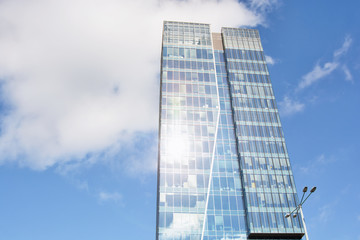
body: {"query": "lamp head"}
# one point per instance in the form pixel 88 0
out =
pixel 295 215
pixel 305 189
pixel 287 215
pixel 313 189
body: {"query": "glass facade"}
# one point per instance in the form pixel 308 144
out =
pixel 223 170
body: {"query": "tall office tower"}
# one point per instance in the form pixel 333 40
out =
pixel 224 171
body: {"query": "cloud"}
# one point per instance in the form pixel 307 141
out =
pixel 83 185
pixel 344 48
pixel 139 166
pixel 140 152
pixel 318 164
pixel 183 223
pixel 317 73
pixel 320 72
pixel 289 106
pixel 348 75
pixel 327 211
pixel 110 197
pixel 78 77
pixel 134 156
pixel 269 60
pixel 321 159
pixel 263 5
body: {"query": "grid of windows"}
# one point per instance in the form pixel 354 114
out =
pixel 183 33
pixel 188 123
pixel 224 171
pixel 268 182
pixel 225 215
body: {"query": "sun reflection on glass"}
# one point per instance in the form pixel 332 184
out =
pixel 177 146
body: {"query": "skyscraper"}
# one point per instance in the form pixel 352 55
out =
pixel 223 170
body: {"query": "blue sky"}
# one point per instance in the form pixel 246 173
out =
pixel 78 119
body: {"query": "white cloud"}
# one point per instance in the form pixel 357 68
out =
pixel 83 185
pixel 289 106
pixel 80 76
pixel 318 164
pixel 344 48
pixel 348 75
pixel 183 223
pixel 112 197
pixel 326 212
pixel 320 72
pixel 269 60
pixel 138 166
pixel 317 73
pixel 264 5
pixel 321 159
pixel 141 154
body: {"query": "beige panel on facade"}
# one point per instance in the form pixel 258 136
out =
pixel 217 41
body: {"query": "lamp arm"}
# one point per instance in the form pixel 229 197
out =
pixel 301 203
pixel 302 197
pixel 296 209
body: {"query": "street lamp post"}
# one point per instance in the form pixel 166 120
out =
pixel 298 208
